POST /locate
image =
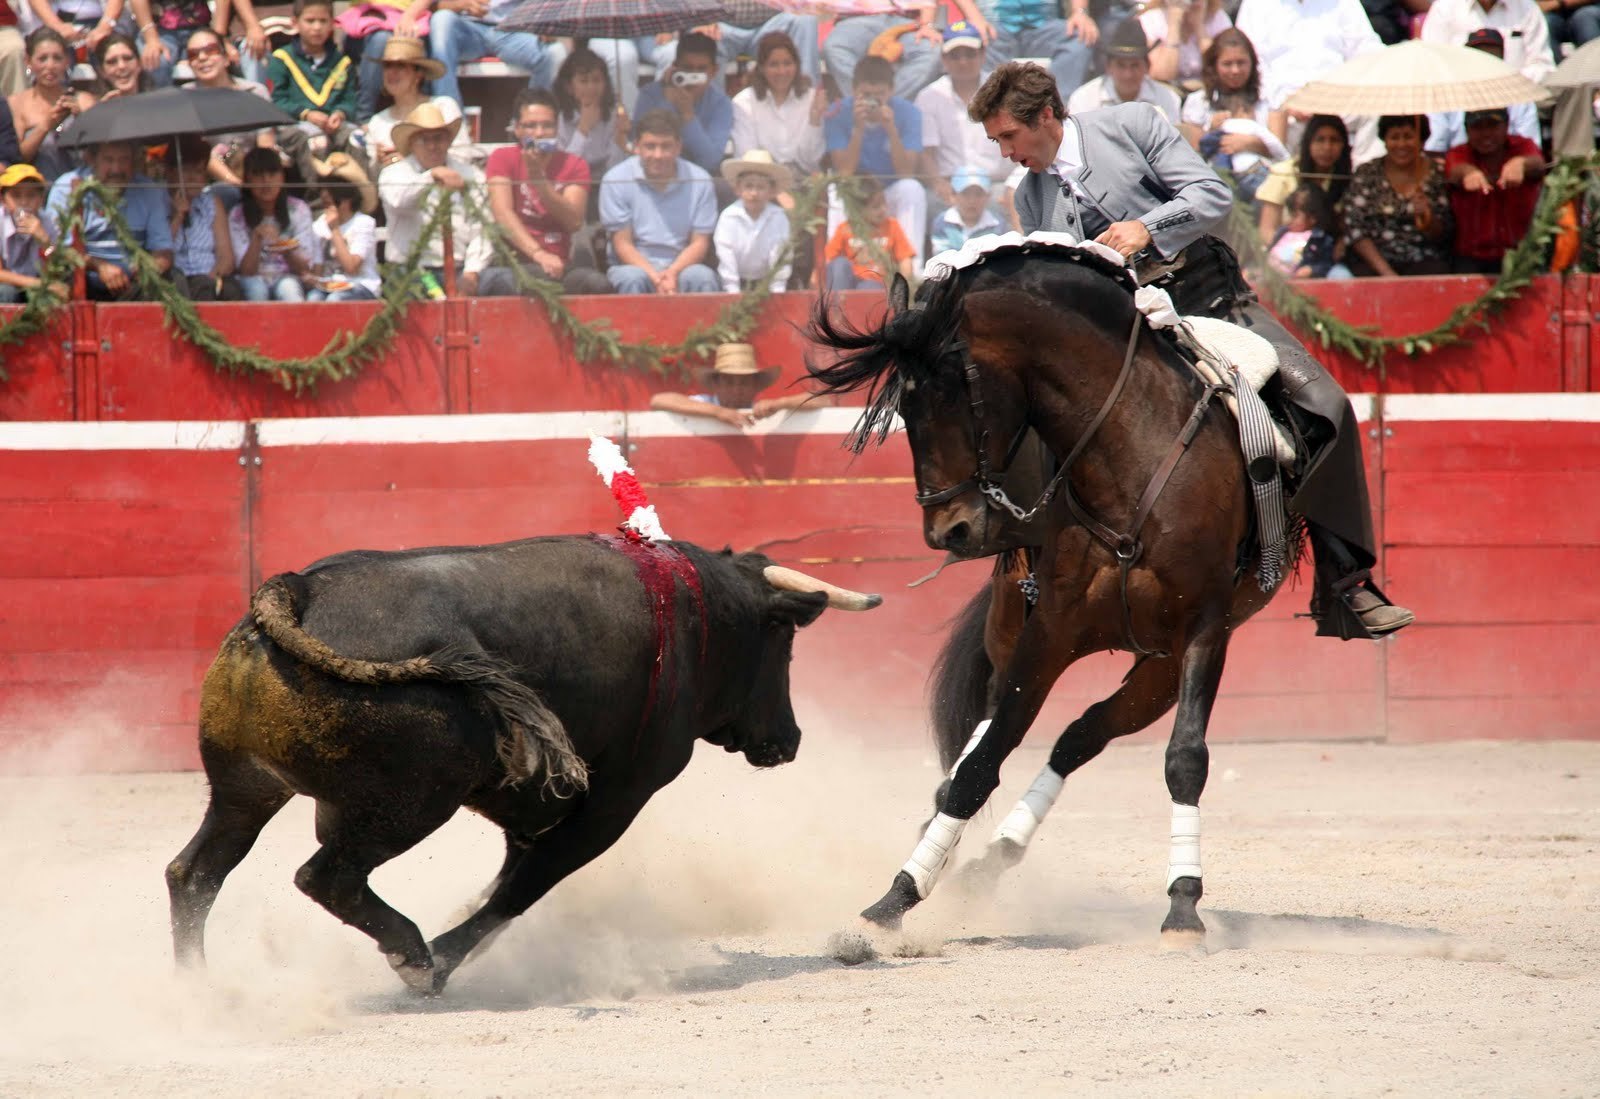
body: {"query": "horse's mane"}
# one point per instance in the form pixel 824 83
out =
pixel 916 344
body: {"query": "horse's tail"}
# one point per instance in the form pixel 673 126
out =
pixel 958 691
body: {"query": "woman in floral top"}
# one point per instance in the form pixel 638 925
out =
pixel 1397 216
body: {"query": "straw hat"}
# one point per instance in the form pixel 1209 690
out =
pixel 760 162
pixel 424 116
pixel 410 51
pixel 738 360
pixel 342 166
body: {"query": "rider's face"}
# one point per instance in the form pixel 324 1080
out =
pixel 1034 147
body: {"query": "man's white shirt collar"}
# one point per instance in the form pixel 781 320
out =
pixel 1069 158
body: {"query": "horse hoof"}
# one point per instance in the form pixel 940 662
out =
pixel 900 899
pixel 1183 939
pixel 424 980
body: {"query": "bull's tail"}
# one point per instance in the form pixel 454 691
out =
pixel 532 737
pixel 958 690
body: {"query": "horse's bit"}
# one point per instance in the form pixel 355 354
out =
pixel 1126 548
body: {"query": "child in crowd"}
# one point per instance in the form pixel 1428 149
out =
pixel 271 232
pixel 851 264
pixel 1236 116
pixel 970 216
pixel 317 85
pixel 26 231
pixel 752 232
pixel 1304 248
pixel 202 250
pixel 729 389
pixel 346 235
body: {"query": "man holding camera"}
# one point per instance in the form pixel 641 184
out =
pixel 691 89
pixel 876 133
pixel 538 194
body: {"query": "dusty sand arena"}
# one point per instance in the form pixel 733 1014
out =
pixel 1384 920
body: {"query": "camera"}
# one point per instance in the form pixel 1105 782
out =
pixel 870 102
pixel 688 80
pixel 541 144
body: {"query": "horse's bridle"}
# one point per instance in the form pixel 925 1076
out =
pixel 1126 548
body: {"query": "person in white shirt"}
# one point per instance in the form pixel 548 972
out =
pixel 1127 78
pixel 780 112
pixel 1447 129
pixel 1298 41
pixel 951 141
pixel 413 186
pixel 969 216
pixel 345 256
pixel 751 233
pixel 1520 23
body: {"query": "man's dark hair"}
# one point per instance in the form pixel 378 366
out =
pixel 662 123
pixel 534 97
pixel 301 5
pixel 1021 90
pixel 698 44
pixel 872 70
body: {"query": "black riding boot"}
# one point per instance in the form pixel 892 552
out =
pixel 1344 600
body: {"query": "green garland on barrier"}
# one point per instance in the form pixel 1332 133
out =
pixel 1530 258
pixel 346 353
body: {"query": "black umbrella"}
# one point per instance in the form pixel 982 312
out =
pixel 154 116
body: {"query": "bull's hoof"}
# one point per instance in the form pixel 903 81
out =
pixel 425 979
pixel 900 899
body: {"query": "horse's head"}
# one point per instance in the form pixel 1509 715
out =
pixel 963 420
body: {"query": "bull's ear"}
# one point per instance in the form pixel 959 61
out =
pixel 899 294
pixel 796 608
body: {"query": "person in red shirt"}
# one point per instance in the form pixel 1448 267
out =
pixel 538 194
pixel 1494 187
pixel 851 263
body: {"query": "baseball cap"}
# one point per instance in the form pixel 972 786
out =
pixel 1492 114
pixel 1486 36
pixel 20 173
pixel 961 35
pixel 968 177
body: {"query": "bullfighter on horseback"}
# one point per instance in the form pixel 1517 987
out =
pixel 1125 178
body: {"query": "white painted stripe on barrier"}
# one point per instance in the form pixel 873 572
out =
pixel 122 435
pixel 1363 404
pixel 1505 407
pixel 803 421
pixel 494 427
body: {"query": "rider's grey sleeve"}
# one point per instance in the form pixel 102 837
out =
pixel 1194 201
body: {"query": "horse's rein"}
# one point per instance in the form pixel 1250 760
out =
pixel 1126 548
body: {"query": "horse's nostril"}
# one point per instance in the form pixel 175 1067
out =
pixel 958 534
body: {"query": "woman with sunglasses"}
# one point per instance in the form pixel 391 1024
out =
pixel 120 71
pixel 209 59
pixel 42 109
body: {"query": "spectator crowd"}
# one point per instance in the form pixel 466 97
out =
pixel 682 178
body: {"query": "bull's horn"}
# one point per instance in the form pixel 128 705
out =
pixel 840 599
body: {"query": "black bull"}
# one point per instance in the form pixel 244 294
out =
pixel 552 685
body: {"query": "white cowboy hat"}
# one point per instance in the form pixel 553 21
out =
pixel 738 360
pixel 410 51
pixel 424 116
pixel 760 162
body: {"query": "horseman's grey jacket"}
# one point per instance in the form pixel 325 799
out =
pixel 1136 166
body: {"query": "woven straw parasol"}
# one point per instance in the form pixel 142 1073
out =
pixel 1580 69
pixel 1416 77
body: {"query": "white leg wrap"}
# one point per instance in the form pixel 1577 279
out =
pixel 1184 859
pixel 927 861
pixel 1029 813
pixel 977 735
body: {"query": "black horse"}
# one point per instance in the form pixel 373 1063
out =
pixel 1144 535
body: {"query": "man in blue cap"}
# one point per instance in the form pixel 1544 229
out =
pixel 1034 28
pixel 950 140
